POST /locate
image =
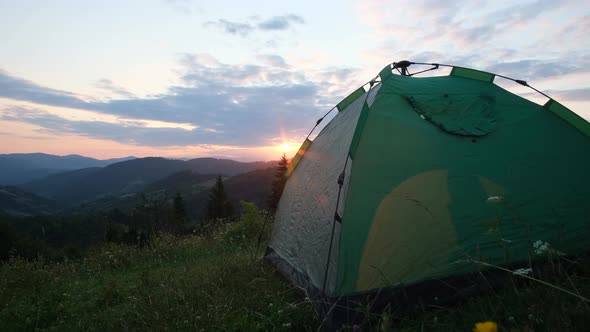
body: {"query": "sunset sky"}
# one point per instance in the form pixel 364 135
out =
pixel 248 79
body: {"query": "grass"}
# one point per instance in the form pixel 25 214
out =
pixel 211 282
pixel 521 306
pixel 552 297
pixel 196 283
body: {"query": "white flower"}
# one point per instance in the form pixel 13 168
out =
pixel 541 247
pixel 495 200
pixel 523 272
pixel 287 325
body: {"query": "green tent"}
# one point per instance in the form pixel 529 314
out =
pixel 415 178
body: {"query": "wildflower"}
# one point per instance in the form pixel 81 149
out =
pixel 541 247
pixel 486 327
pixel 288 325
pixel 522 272
pixel 495 200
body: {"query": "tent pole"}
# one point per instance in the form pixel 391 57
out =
pixel 336 216
pixel 266 218
pixel 333 228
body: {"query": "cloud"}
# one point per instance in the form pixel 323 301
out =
pixel 239 105
pixel 535 69
pixel 470 27
pixel 109 86
pixel 128 133
pixel 18 88
pixel 273 60
pixel 521 13
pixel 243 29
pixel 280 22
pixel 233 28
pixel 571 95
pixel 498 23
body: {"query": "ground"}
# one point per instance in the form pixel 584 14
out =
pixel 215 282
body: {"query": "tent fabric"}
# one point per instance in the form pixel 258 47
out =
pixel 461 115
pixel 473 74
pixel 295 161
pixel 418 197
pixel 569 116
pixel 439 170
pixel 351 98
pixel 304 218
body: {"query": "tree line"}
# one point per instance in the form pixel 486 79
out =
pixel 70 235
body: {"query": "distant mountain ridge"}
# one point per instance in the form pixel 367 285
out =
pixel 18 168
pixel 131 176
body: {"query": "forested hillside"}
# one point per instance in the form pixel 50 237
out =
pixel 18 168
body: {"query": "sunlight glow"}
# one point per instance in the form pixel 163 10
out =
pixel 289 149
pixel 285 148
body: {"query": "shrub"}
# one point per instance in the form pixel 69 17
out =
pixel 249 226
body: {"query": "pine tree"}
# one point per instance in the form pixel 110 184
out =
pixel 278 183
pixel 219 206
pixel 179 212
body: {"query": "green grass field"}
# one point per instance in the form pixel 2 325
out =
pixel 213 283
pixel 194 283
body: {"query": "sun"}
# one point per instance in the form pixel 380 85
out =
pixel 285 148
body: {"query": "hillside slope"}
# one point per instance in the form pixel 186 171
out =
pixel 226 167
pixel 74 187
pixel 19 168
pixel 132 176
pixel 253 187
pixel 14 201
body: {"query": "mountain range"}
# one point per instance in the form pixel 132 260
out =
pixel 18 168
pixel 119 184
pixel 74 187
